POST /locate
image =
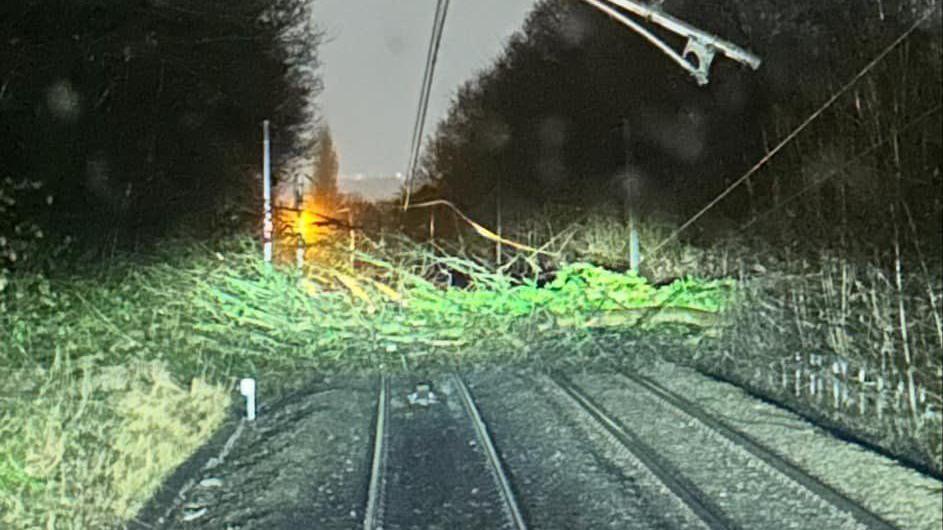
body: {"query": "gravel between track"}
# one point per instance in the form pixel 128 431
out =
pixel 568 476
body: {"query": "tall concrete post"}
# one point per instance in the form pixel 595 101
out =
pixel 631 199
pixel 268 224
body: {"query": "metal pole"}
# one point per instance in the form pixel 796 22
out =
pixel 498 247
pixel 631 177
pixel 268 226
pixel 635 255
pixel 352 235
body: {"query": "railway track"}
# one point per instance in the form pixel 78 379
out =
pixel 446 475
pixel 373 514
pixel 684 468
pixel 685 491
pixel 512 511
pixel 456 478
pixel 837 499
pixel 510 449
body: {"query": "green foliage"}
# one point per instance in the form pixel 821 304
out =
pixel 225 311
pixel 578 289
pixel 100 359
pixel 13 475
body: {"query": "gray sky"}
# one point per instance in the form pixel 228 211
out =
pixel 372 66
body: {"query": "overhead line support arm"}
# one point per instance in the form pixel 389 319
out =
pixel 700 44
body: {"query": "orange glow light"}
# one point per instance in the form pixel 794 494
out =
pixel 305 223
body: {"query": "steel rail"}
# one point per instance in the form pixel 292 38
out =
pixel 836 498
pixel 481 430
pixel 688 493
pixel 373 516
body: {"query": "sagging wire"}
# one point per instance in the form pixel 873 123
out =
pixel 481 230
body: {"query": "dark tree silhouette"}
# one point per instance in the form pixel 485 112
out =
pixel 325 175
pixel 548 119
pixel 142 116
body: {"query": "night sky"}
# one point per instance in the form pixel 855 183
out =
pixel 372 66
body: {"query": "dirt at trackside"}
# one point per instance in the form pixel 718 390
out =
pixel 302 462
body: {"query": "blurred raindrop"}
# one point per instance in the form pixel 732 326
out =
pixel 575 28
pixel 681 134
pixel 395 44
pixel 552 132
pixel 495 134
pixel 98 179
pixel 63 101
pixel 551 170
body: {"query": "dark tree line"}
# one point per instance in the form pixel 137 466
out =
pixel 576 102
pixel 138 117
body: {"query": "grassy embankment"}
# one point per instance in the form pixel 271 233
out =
pixel 114 377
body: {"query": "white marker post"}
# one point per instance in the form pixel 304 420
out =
pixel 268 226
pixel 247 389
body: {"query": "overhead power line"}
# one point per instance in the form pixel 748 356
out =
pixel 435 41
pixel 425 80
